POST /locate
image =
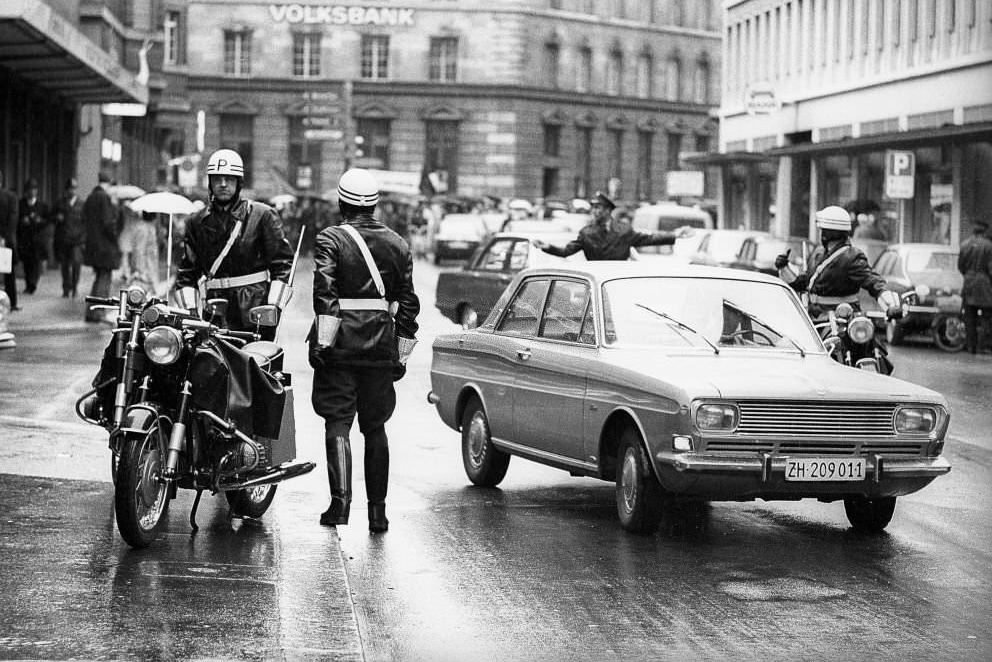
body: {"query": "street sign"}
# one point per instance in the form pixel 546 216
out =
pixel 900 172
pixel 323 134
pixel 688 183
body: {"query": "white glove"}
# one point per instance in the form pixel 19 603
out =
pixel 327 329
pixel 889 300
pixel 405 346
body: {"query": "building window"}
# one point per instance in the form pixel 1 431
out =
pixel 172 44
pixel 897 23
pixel 551 64
pixel 583 162
pixel 441 153
pixel 556 4
pixel 614 73
pixel 375 133
pixel 237 52
pixel 673 78
pixel 674 149
pixel 443 59
pixel 701 86
pixel 645 74
pixel 914 20
pixel 549 183
pixel 552 140
pixel 304 157
pixel 306 54
pixel 645 149
pixel 236 132
pixel 615 156
pixel 584 82
pixel 702 143
pixel 375 56
pixel 678 12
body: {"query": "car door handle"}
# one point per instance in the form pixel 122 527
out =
pixel 523 354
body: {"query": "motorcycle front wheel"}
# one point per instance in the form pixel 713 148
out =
pixel 949 333
pixel 140 499
pixel 251 502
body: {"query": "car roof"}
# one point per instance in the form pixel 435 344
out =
pixel 554 238
pixel 902 248
pixel 603 270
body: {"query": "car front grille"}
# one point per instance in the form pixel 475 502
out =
pixel 820 429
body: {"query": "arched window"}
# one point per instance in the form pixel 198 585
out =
pixel 645 75
pixel 614 72
pixel 678 12
pixel 673 77
pixel 552 63
pixel 701 83
pixel 583 82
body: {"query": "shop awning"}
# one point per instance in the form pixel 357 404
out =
pixel 44 48
pixel 915 138
pixel 723 158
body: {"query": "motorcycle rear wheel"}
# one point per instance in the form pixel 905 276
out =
pixel 251 502
pixel 140 500
pixel 949 333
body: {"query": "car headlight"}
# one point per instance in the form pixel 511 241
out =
pixel 861 330
pixel 915 420
pixel 163 345
pixel 713 416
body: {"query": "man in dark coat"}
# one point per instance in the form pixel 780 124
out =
pixel 70 237
pixel 366 322
pixel 8 235
pixel 605 240
pixel 102 221
pixel 31 228
pixel 975 263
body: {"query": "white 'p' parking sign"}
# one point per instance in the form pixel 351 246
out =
pixel 900 170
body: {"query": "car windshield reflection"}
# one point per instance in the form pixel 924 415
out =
pixel 772 319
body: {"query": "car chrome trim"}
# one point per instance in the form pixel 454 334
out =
pixel 816 419
pixel 520 449
pixel 765 465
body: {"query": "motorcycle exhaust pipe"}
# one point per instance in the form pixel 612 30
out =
pixel 276 475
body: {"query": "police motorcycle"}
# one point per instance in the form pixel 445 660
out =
pixel 849 336
pixel 188 404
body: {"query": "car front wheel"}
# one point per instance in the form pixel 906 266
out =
pixel 485 465
pixel 639 494
pixel 869 515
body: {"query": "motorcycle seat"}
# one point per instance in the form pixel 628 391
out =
pixel 267 353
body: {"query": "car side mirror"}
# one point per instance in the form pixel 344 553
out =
pixel 215 309
pixel 264 315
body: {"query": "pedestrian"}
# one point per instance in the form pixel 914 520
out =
pixel 601 240
pixel 34 216
pixel 365 328
pixel 975 263
pixel 8 237
pixel 237 247
pixel 102 252
pixel 70 236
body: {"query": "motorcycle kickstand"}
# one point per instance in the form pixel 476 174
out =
pixel 192 512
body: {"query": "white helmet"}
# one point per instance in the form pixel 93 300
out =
pixel 358 187
pixel 226 162
pixel 833 218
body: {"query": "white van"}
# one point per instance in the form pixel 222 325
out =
pixel 669 217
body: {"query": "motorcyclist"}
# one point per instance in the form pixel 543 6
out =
pixel 837 270
pixel 235 247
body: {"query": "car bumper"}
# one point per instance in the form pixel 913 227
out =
pixel 763 476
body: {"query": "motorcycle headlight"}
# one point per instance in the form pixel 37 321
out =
pixel 861 330
pixel 136 295
pixel 713 416
pixel 915 420
pixel 163 345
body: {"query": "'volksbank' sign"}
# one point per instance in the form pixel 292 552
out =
pixel 340 15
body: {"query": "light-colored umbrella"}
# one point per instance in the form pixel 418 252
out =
pixel 126 192
pixel 282 199
pixel 163 202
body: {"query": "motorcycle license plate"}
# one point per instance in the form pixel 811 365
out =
pixel 822 469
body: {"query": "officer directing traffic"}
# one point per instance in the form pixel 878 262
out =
pixel 236 247
pixel 365 328
pixel 601 240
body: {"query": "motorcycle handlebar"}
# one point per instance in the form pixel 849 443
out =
pixel 105 301
pixel 241 335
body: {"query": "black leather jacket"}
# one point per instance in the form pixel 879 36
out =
pixel 599 243
pixel 366 337
pixel 843 276
pixel 262 245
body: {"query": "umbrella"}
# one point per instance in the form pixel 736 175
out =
pixel 126 192
pixel 282 199
pixel 163 202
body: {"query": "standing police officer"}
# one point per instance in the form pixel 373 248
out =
pixel 975 264
pixel 237 246
pixel 366 320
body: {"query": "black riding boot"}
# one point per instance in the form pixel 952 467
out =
pixel 339 479
pixel 377 477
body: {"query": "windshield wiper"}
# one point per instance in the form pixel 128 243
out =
pixel 666 316
pixel 734 306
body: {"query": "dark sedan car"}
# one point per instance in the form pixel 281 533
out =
pixel 466 295
pixel 758 253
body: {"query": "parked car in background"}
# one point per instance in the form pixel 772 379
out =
pixel 458 236
pixel 719 248
pixel 673 380
pixel 465 296
pixel 532 226
pixel 931 270
pixel 669 217
pixel 758 253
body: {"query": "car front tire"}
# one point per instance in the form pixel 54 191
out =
pixel 485 465
pixel 869 515
pixel 640 496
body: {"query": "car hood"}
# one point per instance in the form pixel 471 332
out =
pixel 761 374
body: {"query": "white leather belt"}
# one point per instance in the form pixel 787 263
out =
pixel 363 304
pixel 832 301
pixel 237 281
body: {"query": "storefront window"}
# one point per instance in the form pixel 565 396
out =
pixel 976 194
pixel 929 214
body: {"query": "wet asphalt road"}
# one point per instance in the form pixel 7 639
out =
pixel 537 569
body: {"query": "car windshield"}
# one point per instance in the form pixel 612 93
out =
pixel 723 312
